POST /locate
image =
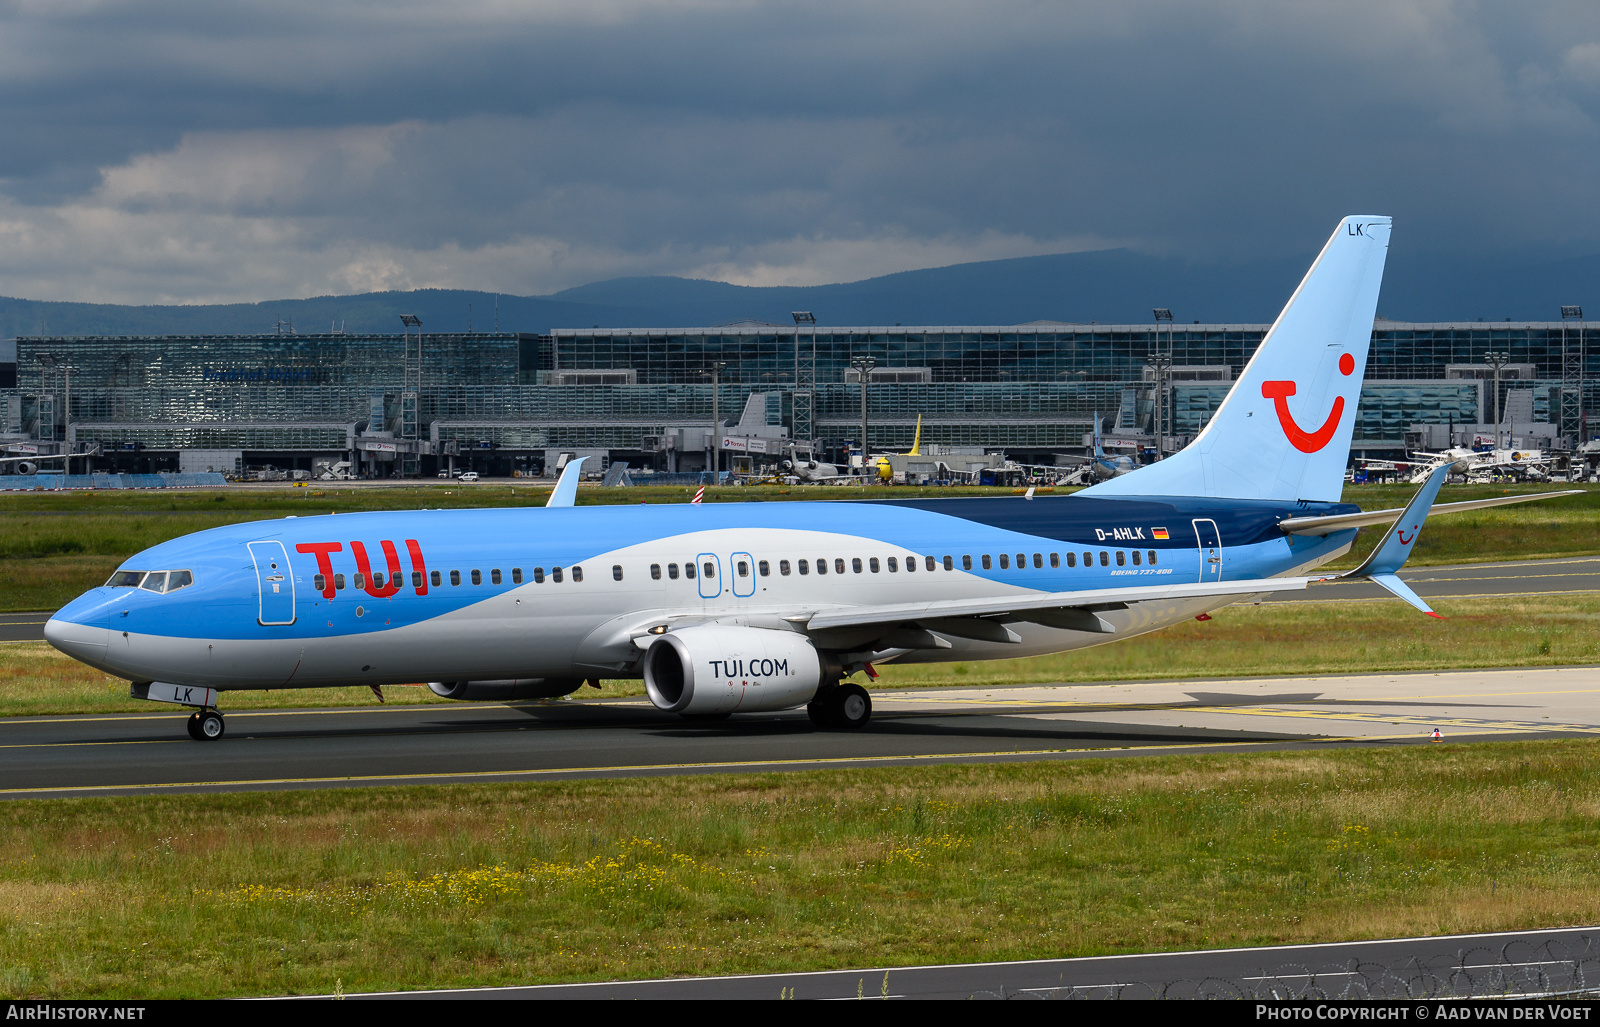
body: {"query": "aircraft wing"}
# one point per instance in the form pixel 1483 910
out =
pixel 1338 522
pixel 1063 609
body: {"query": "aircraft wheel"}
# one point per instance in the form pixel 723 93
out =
pixel 193 726
pixel 209 725
pixel 852 707
pixel 820 708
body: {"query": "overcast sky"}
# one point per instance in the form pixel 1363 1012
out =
pixel 196 151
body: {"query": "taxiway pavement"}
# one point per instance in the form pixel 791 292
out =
pixel 130 753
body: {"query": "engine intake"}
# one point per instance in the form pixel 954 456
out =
pixel 727 669
pixel 499 691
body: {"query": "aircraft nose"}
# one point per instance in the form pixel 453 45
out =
pixel 79 629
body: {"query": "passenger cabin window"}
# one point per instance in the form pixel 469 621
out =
pixel 688 571
pixel 743 567
pixel 416 579
pixel 616 572
pixel 1121 558
pixel 966 563
pixel 783 568
pixel 494 576
pixel 822 567
pixel 1136 558
pixel 893 565
pixel 709 569
pixel 933 564
pixel 516 575
pixel 437 580
pixel 377 579
pixel 1152 555
pixel 1055 559
pixel 1038 561
pixel 672 571
pixel 655 572
pixel 987 564
pixel 1088 559
pixel 538 575
pixel 855 565
pixel 1005 562
pixel 455 578
pixel 872 564
pixel 1105 558
pixel 949 562
pixel 577 573
pixel 360 580
pixel 764 568
pixel 319 583
pixel 805 567
pixel 555 575
pixel 1072 559
pixel 838 566
pixel 338 582
pixel 477 576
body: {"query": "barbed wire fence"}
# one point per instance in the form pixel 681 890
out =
pixel 1522 968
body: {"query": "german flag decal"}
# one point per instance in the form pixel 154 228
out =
pixel 1160 533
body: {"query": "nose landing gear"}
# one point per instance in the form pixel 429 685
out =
pixel 205 725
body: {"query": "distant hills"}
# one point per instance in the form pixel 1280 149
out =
pixel 1106 286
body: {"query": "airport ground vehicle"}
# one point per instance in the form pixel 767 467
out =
pixel 751 607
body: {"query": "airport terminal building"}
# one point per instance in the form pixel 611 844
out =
pixel 413 403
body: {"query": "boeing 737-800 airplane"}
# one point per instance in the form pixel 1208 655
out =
pixel 752 607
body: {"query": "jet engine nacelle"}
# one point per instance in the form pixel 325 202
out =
pixel 499 691
pixel 727 669
pixel 27 467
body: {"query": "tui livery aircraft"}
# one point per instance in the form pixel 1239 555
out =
pixel 747 607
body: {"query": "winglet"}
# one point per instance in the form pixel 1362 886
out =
pixel 566 490
pixel 1392 553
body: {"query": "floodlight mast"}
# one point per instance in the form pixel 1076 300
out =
pixel 1160 365
pixel 1574 425
pixel 1497 360
pixel 715 374
pixel 411 395
pixel 864 366
pixel 802 406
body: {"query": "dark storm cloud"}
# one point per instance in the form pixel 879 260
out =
pixel 197 151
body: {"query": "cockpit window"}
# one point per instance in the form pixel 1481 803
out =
pixel 152 581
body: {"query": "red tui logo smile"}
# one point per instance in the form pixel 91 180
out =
pixel 1307 441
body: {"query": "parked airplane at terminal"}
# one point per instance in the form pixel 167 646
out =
pixel 742 607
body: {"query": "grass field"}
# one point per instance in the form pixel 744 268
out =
pixel 1274 638
pixel 311 892
pixel 56 545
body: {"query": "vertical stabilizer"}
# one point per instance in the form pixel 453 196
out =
pixel 1283 432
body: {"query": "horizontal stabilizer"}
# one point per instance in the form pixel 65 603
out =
pixel 1339 522
pixel 1401 589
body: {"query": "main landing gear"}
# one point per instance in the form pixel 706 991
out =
pixel 844 707
pixel 206 725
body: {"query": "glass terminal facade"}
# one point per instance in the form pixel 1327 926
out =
pixel 507 400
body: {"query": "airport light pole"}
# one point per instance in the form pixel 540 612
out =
pixel 864 366
pixel 1160 363
pixel 717 367
pixel 1497 361
pixel 1573 422
pixel 802 405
